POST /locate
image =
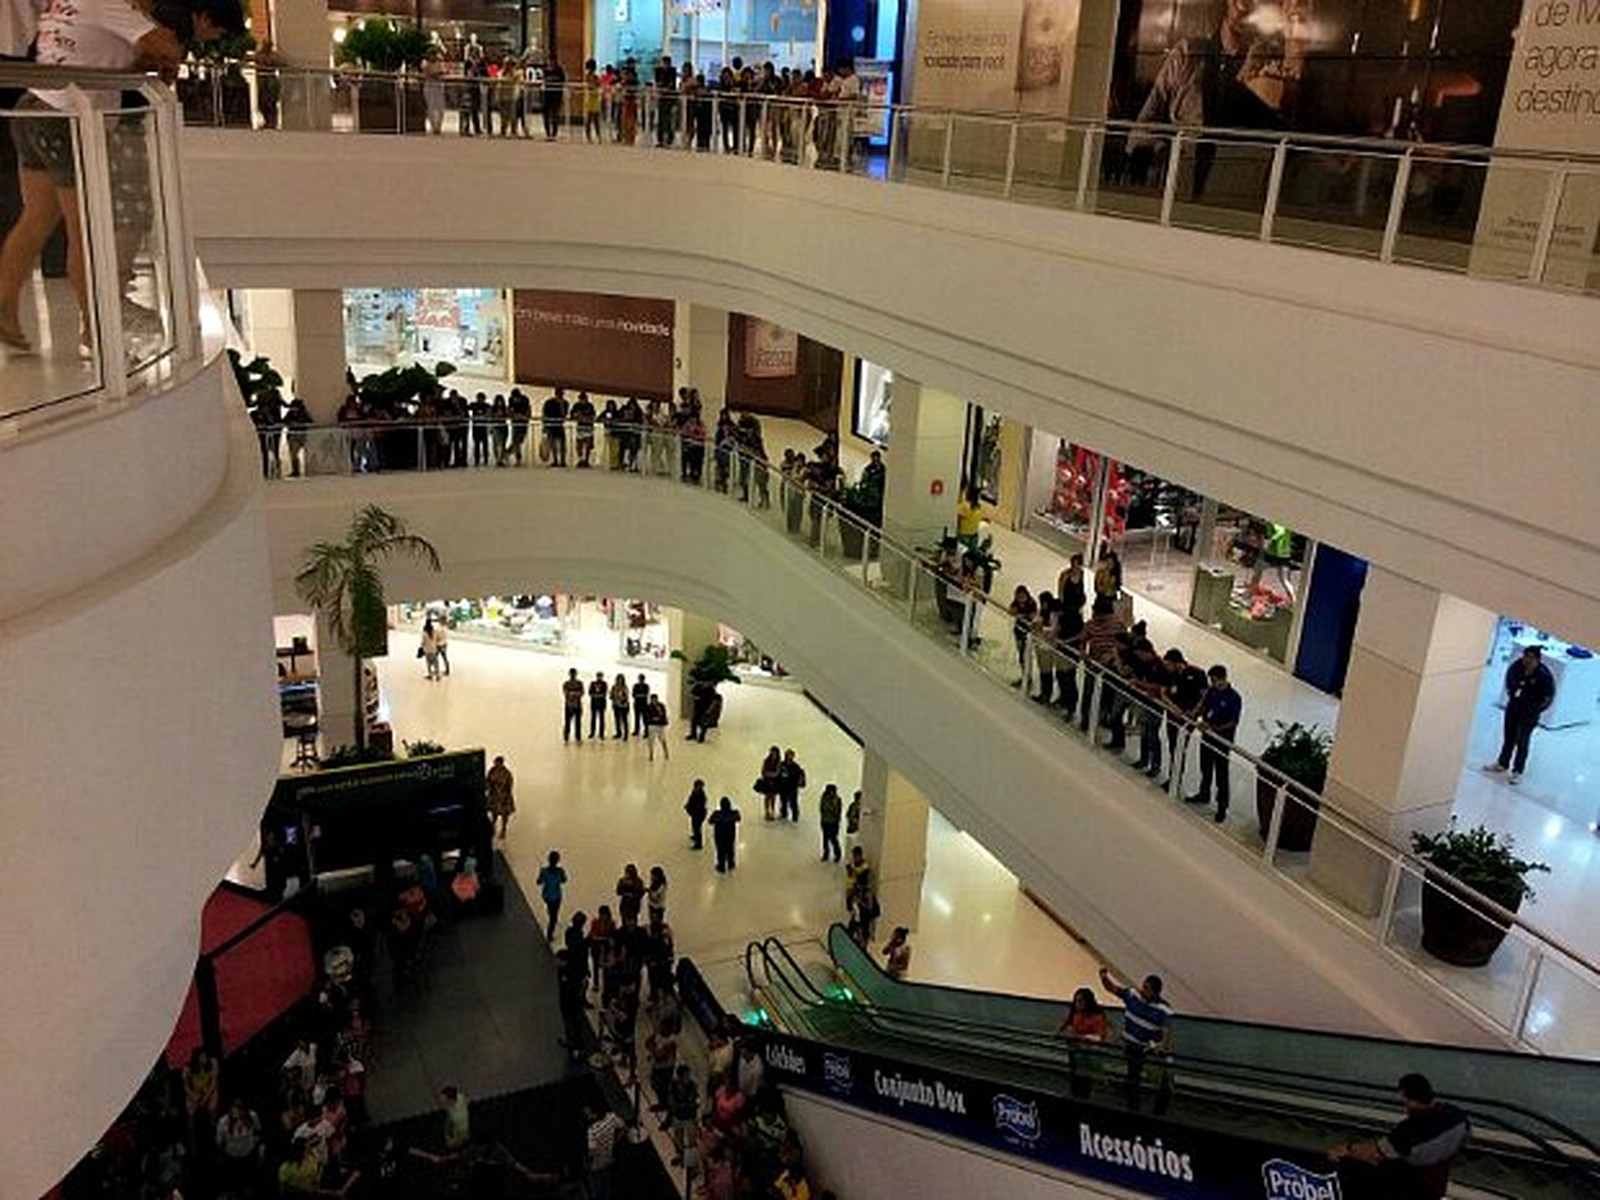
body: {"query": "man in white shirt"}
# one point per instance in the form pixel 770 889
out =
pixel 112 35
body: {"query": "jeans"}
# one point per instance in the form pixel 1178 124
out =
pixel 724 851
pixel 1149 737
pixel 597 721
pixel 619 716
pixel 572 725
pixel 1519 727
pixel 1214 771
pixel 830 840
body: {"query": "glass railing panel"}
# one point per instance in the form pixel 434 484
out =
pixel 1222 185
pixel 341 103
pixel 1132 173
pixel 925 140
pixel 1440 213
pixel 979 147
pixel 934 610
pixel 1046 164
pixel 1574 256
pixel 892 576
pixel 1559 1011
pixel 145 264
pixel 47 359
pixel 1332 199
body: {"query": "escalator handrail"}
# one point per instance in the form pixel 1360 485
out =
pixel 1487 1111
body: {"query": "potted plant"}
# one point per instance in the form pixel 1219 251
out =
pixel 342 584
pixel 395 393
pixel 387 105
pixel 422 748
pixel 863 500
pixel 255 378
pixel 1299 753
pixel 1487 863
pixel 714 666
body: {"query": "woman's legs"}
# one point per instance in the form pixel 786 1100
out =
pixel 41 211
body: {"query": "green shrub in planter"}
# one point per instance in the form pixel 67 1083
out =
pixel 1487 863
pixel 1300 753
pixel 421 748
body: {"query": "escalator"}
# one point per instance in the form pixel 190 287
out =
pixel 1232 1101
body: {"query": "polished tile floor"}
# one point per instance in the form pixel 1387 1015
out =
pixel 604 803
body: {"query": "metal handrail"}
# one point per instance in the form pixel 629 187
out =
pixel 1442 151
pixel 1400 861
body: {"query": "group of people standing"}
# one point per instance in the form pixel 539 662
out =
pixel 1162 698
pixel 648 712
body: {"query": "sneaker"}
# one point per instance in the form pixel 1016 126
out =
pixel 1514 778
pixel 1494 768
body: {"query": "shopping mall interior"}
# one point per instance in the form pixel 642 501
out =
pixel 873 356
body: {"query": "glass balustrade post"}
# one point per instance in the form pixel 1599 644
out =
pixel 1169 185
pixel 1275 823
pixel 1095 679
pixel 1011 158
pixel 743 116
pixel 1540 258
pixel 1088 156
pixel 896 122
pixel 1391 893
pixel 1529 988
pixel 868 532
pixel 99 233
pixel 179 249
pixel 949 142
pixel 1028 643
pixel 1397 207
pixel 1269 210
pixel 912 572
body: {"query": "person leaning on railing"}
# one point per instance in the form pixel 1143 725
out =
pixel 113 35
pixel 1412 1161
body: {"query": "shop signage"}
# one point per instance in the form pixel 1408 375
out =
pixel 770 351
pixel 1144 1154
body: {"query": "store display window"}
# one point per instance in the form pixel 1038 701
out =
pixel 712 33
pixel 746 658
pixel 466 327
pixel 601 627
pixel 874 402
pixel 1249 586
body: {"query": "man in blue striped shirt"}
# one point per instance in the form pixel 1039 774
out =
pixel 1146 1018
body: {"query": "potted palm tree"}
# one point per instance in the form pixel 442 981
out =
pixel 1453 928
pixel 1299 753
pixel 342 583
pixel 863 500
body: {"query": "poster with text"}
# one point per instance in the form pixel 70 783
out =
pixel 593 341
pixel 1551 103
pixel 770 351
pixel 780 373
pixel 995 55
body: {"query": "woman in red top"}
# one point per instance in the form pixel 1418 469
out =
pixel 1084 1026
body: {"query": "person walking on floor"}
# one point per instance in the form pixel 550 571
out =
pixel 724 833
pixel 655 727
pixel 1530 689
pixel 641 705
pixel 1146 1021
pixel 829 807
pixel 599 697
pixel 619 707
pixel 696 806
pixel 791 778
pixel 1219 721
pixel 429 650
pixel 498 784
pixel 441 642
pixel 572 706
pixel 552 880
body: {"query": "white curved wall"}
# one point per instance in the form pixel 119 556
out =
pixel 1437 425
pixel 1136 878
pixel 141 740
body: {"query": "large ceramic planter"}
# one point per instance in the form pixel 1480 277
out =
pixel 851 537
pixel 1299 815
pixel 1457 934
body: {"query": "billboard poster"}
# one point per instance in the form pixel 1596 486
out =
pixel 995 55
pixel 1551 103
pixel 1140 1153
pixel 770 351
pixel 781 373
pixel 592 341
pixel 1431 71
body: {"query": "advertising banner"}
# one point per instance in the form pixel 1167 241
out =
pixel 995 55
pixel 770 351
pixel 592 341
pixel 1552 103
pixel 1143 1154
pixel 781 373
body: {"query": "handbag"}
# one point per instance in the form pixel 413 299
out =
pixel 420 652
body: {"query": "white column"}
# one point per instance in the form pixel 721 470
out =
pixel 700 353
pixel 319 357
pixel 1406 713
pixel 924 463
pixel 894 835
pixel 269 318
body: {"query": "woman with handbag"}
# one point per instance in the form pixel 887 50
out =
pixel 769 782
